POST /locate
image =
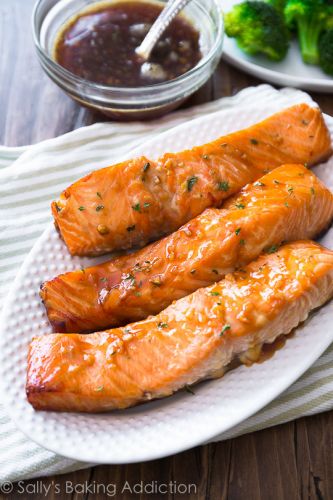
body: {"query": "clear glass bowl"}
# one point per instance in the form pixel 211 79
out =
pixel 128 103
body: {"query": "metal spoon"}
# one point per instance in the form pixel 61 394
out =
pixel 172 8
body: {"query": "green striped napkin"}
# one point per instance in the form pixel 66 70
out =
pixel 31 177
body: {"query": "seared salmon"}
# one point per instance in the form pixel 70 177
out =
pixel 196 338
pixel 140 200
pixel 287 204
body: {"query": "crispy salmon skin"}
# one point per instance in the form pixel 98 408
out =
pixel 140 200
pixel 287 204
pixel 195 338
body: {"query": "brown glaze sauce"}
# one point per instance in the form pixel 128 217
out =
pixel 268 350
pixel 99 45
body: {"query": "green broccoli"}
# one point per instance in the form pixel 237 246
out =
pixel 311 18
pixel 258 29
pixel 277 4
pixel 326 52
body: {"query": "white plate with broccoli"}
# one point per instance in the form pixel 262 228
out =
pixel 262 46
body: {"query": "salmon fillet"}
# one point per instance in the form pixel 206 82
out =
pixel 196 338
pixel 140 200
pixel 287 204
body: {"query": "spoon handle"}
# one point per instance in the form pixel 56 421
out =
pixel 172 8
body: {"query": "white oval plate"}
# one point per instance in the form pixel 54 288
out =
pixel 162 427
pixel 292 71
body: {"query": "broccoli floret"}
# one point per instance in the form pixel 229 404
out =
pixel 310 18
pixel 326 52
pixel 277 4
pixel 258 29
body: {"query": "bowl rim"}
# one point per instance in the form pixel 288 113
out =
pixel 169 84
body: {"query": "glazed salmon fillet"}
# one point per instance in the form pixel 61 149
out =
pixel 196 338
pixel 287 204
pixel 140 200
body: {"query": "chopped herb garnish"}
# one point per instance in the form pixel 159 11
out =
pixel 189 390
pixel 215 271
pixel 241 206
pixel 312 189
pixel 259 183
pixel 205 157
pixel 130 228
pixel 103 279
pixel 100 388
pixel 238 230
pixel 290 190
pixel 242 242
pixel 215 294
pixel 138 294
pixel 131 278
pixel 146 205
pixel 276 182
pixel 81 208
pixel 191 182
pixel 193 271
pixel 223 186
pixel 99 195
pixel 162 325
pixel 225 329
pixel 254 141
pixel 99 207
pixel 136 207
pixel 145 169
pixel 272 249
pixel 286 204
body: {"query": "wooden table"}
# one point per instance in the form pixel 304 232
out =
pixel 290 461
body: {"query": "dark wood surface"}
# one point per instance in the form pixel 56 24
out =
pixel 291 461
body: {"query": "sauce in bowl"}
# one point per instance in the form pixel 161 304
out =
pixel 99 45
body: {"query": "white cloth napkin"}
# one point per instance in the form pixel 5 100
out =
pixel 30 177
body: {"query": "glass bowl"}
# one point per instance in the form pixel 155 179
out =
pixel 128 103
